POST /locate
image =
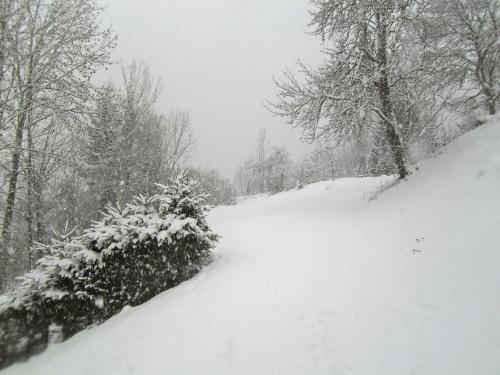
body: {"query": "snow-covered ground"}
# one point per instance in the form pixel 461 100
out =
pixel 323 280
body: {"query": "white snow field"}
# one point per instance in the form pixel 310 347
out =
pixel 324 280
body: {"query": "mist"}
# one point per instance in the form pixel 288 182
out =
pixel 217 60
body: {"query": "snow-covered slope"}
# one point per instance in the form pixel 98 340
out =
pixel 325 281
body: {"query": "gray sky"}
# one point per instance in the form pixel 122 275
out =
pixel 216 59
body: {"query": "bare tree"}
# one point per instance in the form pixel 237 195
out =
pixel 56 46
pixel 260 163
pixel 269 169
pixel 50 50
pixel 131 146
pixel 356 87
pixel 178 142
pixel 465 40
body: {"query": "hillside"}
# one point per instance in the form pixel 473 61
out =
pixel 325 280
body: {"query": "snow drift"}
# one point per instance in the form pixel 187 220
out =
pixel 325 280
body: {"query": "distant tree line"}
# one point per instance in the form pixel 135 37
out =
pixel 220 190
pixel 268 170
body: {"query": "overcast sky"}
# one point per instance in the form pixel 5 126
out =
pixel 216 59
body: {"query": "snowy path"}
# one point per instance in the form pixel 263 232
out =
pixel 324 281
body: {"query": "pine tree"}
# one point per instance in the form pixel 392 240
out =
pixel 127 257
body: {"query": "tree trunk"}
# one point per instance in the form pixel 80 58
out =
pixel 492 106
pixel 29 213
pixel 24 109
pixel 11 198
pixel 4 10
pixel 38 189
pixel 3 25
pixel 391 128
pixel 13 177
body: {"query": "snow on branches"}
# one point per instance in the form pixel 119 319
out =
pixel 127 257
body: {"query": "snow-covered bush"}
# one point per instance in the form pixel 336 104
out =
pixel 153 244
pixel 127 257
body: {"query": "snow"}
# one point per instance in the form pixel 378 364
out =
pixel 327 280
pixel 11 250
pixel 54 294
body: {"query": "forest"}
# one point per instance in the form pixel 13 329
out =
pixel 101 203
